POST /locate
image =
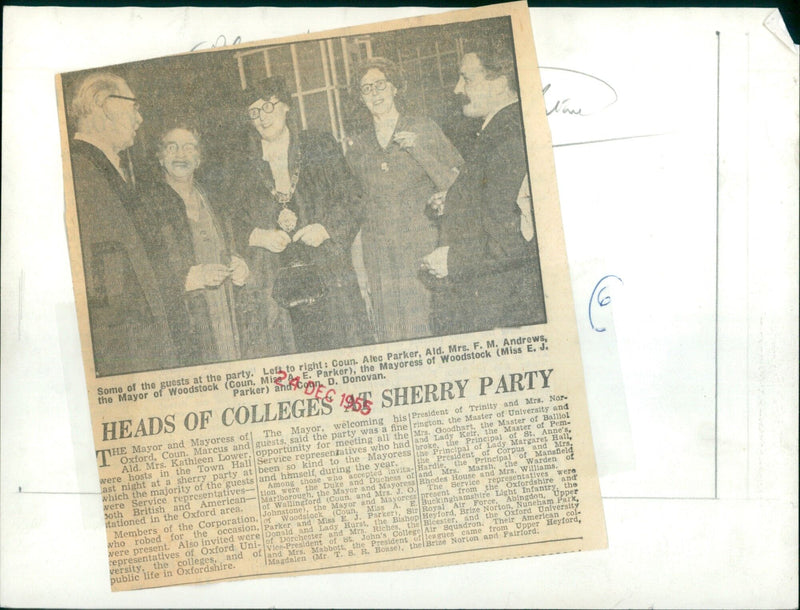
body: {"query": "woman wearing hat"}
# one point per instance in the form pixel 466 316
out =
pixel 298 211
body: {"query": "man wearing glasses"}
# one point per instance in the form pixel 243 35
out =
pixel 126 312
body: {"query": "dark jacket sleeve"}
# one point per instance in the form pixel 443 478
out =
pixel 496 244
pixel 337 195
pixel 241 193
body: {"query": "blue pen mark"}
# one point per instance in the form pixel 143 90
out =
pixel 602 299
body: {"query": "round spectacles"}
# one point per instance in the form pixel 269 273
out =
pixel 172 148
pixel 266 108
pixel 378 85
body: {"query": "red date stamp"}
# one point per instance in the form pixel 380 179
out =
pixel 358 404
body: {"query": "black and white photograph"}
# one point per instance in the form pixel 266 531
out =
pixel 269 200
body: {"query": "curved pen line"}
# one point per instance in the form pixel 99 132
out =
pixel 602 301
pixel 616 97
pixel 581 113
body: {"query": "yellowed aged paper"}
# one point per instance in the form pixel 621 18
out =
pixel 324 304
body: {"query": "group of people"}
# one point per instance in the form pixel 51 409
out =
pixel 178 274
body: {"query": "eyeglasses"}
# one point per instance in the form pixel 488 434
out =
pixel 378 85
pixel 188 149
pixel 266 108
pixel 130 99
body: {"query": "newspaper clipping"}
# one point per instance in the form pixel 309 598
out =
pixel 324 304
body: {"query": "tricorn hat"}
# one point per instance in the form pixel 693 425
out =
pixel 265 89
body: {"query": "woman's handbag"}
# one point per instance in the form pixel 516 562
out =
pixel 298 283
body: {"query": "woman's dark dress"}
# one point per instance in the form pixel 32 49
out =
pixel 328 194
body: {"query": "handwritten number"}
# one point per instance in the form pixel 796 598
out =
pixel 602 299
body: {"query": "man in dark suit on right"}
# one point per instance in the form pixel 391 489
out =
pixel 487 265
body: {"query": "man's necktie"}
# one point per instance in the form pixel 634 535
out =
pixel 126 168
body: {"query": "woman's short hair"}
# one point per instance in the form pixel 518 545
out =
pixel 390 70
pixel 160 145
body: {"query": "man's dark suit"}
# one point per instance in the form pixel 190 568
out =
pixel 126 312
pixel 493 273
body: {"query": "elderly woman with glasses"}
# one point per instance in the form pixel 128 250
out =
pixel 403 162
pixel 298 211
pixel 189 242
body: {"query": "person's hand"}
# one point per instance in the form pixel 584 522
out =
pixel 435 263
pixel 271 239
pixel 406 139
pixel 209 275
pixel 436 203
pixel 312 235
pixel 239 271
